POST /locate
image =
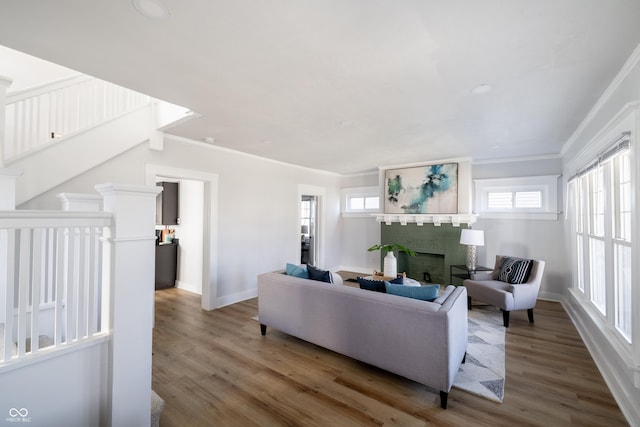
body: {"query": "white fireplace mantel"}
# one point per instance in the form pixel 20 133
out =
pixel 420 219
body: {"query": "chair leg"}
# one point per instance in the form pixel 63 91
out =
pixel 505 318
pixel 469 303
pixel 530 314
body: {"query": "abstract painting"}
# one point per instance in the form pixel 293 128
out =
pixel 431 189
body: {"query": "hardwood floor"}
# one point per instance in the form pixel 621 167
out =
pixel 214 368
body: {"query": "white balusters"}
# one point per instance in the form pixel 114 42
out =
pixel 44 115
pixel 52 280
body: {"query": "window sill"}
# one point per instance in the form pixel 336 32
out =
pixel 546 216
pixel 357 214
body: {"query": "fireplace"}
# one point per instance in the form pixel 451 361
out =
pixel 426 267
pixel 436 247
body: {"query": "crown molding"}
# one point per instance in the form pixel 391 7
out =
pixel 426 163
pixel 628 66
pixel 517 159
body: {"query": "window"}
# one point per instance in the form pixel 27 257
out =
pixel 532 197
pixel 500 200
pixel 360 201
pixel 601 210
pixel 621 192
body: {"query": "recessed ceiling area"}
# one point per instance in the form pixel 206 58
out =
pixel 346 86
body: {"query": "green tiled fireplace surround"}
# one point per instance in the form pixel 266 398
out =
pixel 437 247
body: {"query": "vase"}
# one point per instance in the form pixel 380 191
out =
pixel 390 265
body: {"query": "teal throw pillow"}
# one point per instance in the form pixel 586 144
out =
pixel 297 271
pixel 425 293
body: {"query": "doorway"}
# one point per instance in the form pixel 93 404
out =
pixel 309 230
pixel 310 224
pixel 208 238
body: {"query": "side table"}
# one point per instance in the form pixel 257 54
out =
pixel 466 274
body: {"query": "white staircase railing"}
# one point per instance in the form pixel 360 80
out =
pixel 51 279
pixel 41 116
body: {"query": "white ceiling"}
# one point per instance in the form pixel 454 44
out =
pixel 349 85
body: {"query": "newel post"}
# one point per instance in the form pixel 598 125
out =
pixel 128 292
pixel 7 203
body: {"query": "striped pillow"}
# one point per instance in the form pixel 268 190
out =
pixel 515 270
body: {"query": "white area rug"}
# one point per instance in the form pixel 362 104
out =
pixel 484 372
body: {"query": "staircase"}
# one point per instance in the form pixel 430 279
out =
pixel 59 130
pixel 71 279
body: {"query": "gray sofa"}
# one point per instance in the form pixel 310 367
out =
pixel 420 340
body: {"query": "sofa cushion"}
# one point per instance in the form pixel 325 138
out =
pixel 372 285
pixel 296 271
pixel 425 293
pixel 515 270
pixel 319 274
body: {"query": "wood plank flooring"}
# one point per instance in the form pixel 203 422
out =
pixel 215 369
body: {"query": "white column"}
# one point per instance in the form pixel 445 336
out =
pixel 129 270
pixel 80 202
pixel 5 82
pixel 8 189
pixel 7 203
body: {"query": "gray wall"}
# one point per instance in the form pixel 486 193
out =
pixel 258 206
pixel 539 239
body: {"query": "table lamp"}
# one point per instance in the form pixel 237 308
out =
pixel 472 239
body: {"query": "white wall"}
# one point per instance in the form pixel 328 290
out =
pixel 190 235
pixel 27 71
pixel 65 390
pixel 259 228
pixel 538 239
pixel 359 233
pixel 619 366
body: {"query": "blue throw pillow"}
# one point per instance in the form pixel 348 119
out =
pixel 372 285
pixel 397 281
pixel 425 293
pixel 319 274
pixel 297 271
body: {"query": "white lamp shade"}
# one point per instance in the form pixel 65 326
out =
pixel 472 237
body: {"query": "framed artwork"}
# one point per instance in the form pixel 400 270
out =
pixel 430 189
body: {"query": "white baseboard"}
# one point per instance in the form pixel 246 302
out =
pixel 551 296
pixel 237 297
pixel 189 287
pixel 617 373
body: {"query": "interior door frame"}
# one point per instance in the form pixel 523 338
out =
pixel 320 193
pixel 209 300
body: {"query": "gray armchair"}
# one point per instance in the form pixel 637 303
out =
pixel 486 287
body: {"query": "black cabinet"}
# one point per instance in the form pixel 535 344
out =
pixel 166 264
pixel 167 212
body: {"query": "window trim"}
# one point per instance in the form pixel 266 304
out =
pixel 546 184
pixel 348 193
